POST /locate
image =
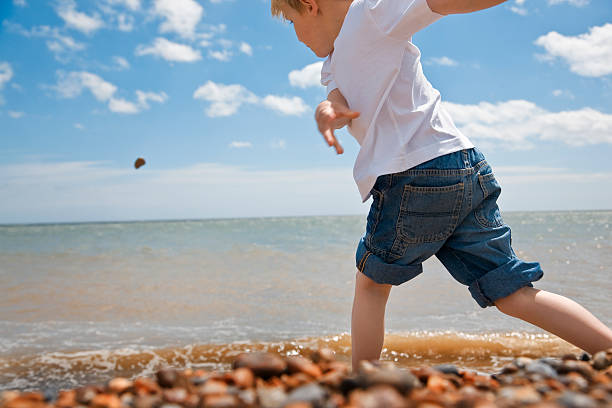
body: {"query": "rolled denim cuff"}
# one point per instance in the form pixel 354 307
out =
pixel 504 281
pixel 382 272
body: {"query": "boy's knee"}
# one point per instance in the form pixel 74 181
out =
pixel 513 303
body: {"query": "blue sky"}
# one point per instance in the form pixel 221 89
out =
pixel 218 97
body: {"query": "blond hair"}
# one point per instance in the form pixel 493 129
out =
pixel 277 4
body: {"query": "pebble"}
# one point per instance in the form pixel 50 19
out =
pixel 602 360
pixel 271 381
pixel 139 162
pixel 380 396
pixel 299 364
pixel 520 395
pixel 571 399
pixel 264 365
pixel 119 385
pixel 310 393
pixel 538 367
pixel 243 377
pixel 447 369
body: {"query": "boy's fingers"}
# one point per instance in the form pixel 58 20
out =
pixel 329 136
pixel 339 149
pixel 331 140
pixel 348 114
pixel 334 142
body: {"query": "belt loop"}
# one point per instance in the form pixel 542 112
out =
pixel 466 159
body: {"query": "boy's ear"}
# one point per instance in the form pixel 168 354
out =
pixel 311 6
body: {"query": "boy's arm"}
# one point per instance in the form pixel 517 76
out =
pixel 460 6
pixel 333 114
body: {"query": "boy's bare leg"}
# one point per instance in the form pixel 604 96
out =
pixel 368 319
pixel 558 315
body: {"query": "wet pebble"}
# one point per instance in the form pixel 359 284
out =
pixel 271 397
pixel 263 365
pixel 402 380
pixel 520 395
pixel 310 393
pixel 538 367
pixel 119 385
pixel 602 360
pixel 447 369
pixel 299 364
pixel 571 399
pixel 380 396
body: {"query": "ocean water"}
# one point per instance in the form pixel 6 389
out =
pixel 82 303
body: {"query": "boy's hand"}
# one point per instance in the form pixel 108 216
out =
pixel 331 116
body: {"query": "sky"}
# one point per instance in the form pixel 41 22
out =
pixel 218 97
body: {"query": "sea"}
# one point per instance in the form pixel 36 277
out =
pixel 83 303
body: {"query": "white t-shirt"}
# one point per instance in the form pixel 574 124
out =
pixel 378 70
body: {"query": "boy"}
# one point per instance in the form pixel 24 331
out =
pixel 433 192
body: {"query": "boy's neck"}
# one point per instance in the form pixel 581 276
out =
pixel 342 10
pixel 334 12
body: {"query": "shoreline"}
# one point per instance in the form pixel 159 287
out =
pixel 263 379
pixel 66 368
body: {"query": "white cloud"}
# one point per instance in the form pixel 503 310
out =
pixel 225 99
pixel 588 54
pixel 79 126
pixel 306 77
pixel 521 11
pixel 72 85
pixel 6 73
pixel 245 48
pixel 16 115
pixel 240 145
pixel 144 98
pixel 59 44
pixel 563 93
pixel 286 106
pixel 444 61
pixel 518 7
pixel 20 3
pixel 517 124
pixel 223 56
pixel 577 3
pixel 181 16
pixel 125 22
pixel 131 4
pixel 122 106
pixel 121 62
pixel 142 102
pixel 170 51
pixel 78 20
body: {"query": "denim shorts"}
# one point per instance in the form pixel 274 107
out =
pixel 444 207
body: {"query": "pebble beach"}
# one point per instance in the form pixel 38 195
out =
pixel 268 380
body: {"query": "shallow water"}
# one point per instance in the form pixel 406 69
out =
pixel 84 302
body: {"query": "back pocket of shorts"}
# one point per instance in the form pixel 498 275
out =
pixel 429 214
pixel 487 213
